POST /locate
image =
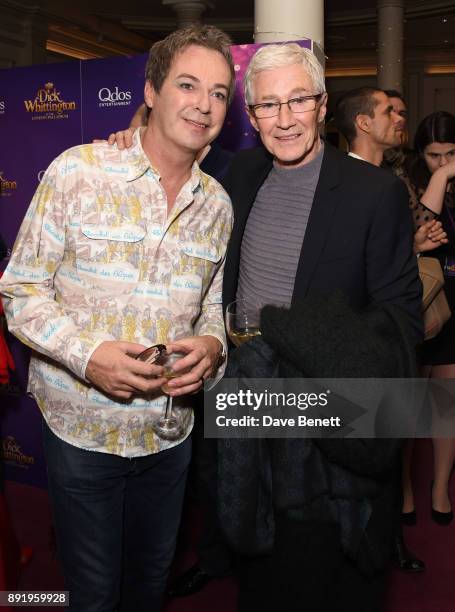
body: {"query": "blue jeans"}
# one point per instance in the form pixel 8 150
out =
pixel 116 522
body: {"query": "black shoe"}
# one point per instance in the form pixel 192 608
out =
pixel 406 560
pixel 409 518
pixel 442 518
pixel 190 582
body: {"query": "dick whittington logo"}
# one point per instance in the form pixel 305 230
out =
pixel 48 104
pixel 7 186
pixel 13 454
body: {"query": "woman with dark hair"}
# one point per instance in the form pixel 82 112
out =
pixel 430 180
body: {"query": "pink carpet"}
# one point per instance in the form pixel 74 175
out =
pixel 430 591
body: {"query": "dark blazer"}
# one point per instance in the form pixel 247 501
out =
pixel 216 162
pixel 359 234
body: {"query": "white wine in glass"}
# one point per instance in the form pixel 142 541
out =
pixel 169 425
pixel 242 322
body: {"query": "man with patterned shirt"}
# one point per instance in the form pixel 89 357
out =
pixel 121 250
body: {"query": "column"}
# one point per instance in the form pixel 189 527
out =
pixel 280 20
pixel 414 91
pixel 188 12
pixel 390 44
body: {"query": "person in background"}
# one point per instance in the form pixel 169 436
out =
pixel 429 175
pixel 367 119
pixel 121 250
pixel 395 156
pixel 430 234
pixel 372 127
pixel 399 107
pixel 375 125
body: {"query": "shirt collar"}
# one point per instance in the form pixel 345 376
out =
pixel 351 154
pixel 139 164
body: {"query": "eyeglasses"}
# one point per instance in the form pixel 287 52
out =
pixel 302 104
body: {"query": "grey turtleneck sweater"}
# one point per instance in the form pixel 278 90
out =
pixel 274 233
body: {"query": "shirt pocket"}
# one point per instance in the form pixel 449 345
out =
pixel 191 277
pixel 108 257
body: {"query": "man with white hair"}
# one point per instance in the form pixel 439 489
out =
pixel 339 228
pixel 310 220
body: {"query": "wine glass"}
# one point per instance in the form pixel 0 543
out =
pixel 169 425
pixel 242 321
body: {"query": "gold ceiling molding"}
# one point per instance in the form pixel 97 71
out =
pixel 69 51
pixel 440 69
pixel 351 72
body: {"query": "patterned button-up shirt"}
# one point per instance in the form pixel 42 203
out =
pixel 98 258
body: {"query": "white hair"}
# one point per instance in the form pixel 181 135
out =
pixel 277 56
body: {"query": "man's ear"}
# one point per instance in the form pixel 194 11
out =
pixel 363 123
pixel 322 109
pixel 252 119
pixel 149 94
